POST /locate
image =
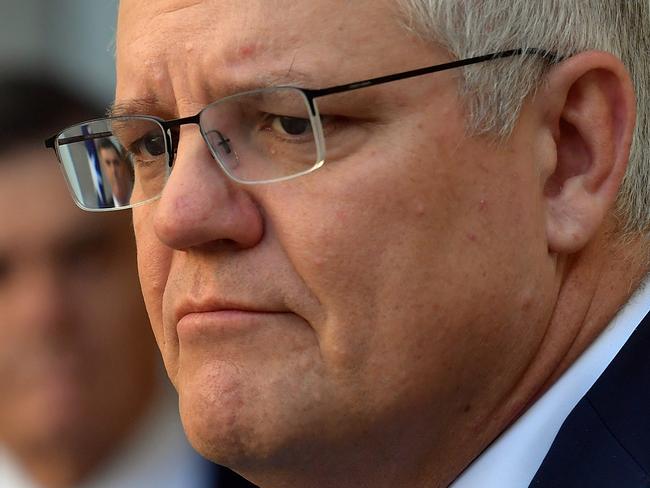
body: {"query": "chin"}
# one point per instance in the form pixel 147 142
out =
pixel 252 402
pixel 242 419
pixel 216 413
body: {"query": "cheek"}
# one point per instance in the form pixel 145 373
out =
pixel 153 268
pixel 396 247
pixel 356 258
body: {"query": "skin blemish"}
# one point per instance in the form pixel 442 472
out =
pixel 247 51
pixel 243 51
pixel 419 209
pixel 472 237
pixel 482 205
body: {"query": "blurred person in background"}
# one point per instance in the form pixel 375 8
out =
pixel 82 402
pixel 118 172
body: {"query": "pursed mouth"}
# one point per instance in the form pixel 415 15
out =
pixel 225 323
pixel 222 308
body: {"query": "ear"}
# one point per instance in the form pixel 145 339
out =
pixel 591 110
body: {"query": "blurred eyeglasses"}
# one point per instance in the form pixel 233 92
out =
pixel 259 136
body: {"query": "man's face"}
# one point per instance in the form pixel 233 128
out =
pixel 76 355
pixel 376 295
pixel 116 171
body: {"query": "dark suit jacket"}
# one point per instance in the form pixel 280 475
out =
pixel 225 478
pixel 605 441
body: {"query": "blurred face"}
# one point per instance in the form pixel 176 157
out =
pixel 76 358
pixel 117 172
pixel 367 303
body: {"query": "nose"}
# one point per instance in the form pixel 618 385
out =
pixel 201 206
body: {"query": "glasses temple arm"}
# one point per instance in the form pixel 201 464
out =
pixel 430 69
pixel 71 140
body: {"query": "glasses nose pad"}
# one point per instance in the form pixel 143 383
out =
pixel 221 148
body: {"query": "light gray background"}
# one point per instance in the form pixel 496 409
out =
pixel 70 40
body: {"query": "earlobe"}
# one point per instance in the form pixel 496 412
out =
pixel 592 116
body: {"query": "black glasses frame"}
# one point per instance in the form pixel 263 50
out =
pixel 312 94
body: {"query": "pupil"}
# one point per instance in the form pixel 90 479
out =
pixel 155 145
pixel 294 126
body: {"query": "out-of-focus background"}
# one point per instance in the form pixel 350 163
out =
pixel 69 40
pixel 84 401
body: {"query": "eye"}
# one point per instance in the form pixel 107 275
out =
pixel 152 145
pixel 291 126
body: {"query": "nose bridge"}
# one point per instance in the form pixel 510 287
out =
pixel 169 125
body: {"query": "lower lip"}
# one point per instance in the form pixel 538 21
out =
pixel 222 323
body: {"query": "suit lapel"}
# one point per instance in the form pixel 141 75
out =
pixel 605 441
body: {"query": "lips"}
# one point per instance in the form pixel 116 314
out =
pixel 221 318
pixel 190 307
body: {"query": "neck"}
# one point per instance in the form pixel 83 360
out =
pixel 613 276
pixel 593 286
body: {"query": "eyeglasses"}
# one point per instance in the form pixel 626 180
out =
pixel 259 136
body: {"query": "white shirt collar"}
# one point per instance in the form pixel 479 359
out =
pixel 512 460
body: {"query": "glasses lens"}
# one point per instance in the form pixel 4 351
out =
pixel 114 163
pixel 263 135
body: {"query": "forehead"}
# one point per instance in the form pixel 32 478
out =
pixel 241 30
pixel 171 48
pixel 108 151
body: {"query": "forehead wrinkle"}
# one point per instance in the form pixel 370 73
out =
pixel 246 56
pixel 205 66
pixel 183 6
pixel 152 104
pixel 164 8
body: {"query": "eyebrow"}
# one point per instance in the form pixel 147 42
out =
pixel 136 106
pixel 152 105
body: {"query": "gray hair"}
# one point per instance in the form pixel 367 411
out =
pixel 495 91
